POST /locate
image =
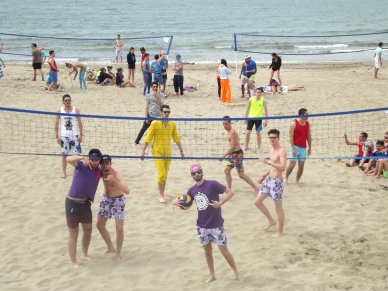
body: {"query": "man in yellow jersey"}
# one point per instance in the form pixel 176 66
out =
pixel 255 107
pixel 161 131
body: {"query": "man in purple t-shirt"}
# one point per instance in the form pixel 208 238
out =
pixel 83 188
pixel 210 224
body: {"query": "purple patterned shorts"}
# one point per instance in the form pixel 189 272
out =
pixel 215 235
pixel 112 206
pixel 273 187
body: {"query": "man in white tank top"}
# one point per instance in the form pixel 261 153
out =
pixel 70 137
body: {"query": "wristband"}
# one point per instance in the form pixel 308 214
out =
pixel 263 176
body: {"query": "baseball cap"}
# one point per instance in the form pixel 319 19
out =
pixel 94 156
pixel 109 67
pixel 178 55
pixel 64 96
pixel 195 167
pixel 247 57
pixel 105 159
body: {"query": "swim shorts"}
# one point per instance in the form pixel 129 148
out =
pixel 70 145
pixel 77 212
pixel 273 187
pixel 54 76
pixel 300 154
pixel 119 52
pixel 158 78
pixel 377 64
pixel 252 77
pixel 131 66
pixel 112 206
pixel 257 124
pixel 215 235
pixel 244 80
pixel 164 75
pixel 37 66
pixel 236 160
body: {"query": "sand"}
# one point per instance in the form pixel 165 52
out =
pixel 335 228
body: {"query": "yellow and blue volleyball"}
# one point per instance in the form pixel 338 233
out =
pixel 186 201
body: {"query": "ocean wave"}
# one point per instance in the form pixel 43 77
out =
pixel 326 46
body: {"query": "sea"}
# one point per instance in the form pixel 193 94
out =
pixel 202 31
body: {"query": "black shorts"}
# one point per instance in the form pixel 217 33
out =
pixel 131 66
pixel 37 66
pixel 256 123
pixel 164 75
pixel 359 160
pixel 77 212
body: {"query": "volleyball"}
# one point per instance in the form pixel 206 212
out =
pixel 186 201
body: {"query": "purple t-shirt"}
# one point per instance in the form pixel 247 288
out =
pixel 208 216
pixel 85 182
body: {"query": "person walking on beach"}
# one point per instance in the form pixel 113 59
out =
pixel 154 101
pixel 147 74
pixel 378 59
pixel 274 184
pixel 161 132
pixel 178 76
pixel 251 73
pixel 163 61
pixel 131 60
pixel 223 72
pixel 235 156
pixel 53 72
pixel 243 78
pixel 156 68
pixel 256 105
pixel 71 127
pixel 82 72
pixel 112 204
pixel 118 45
pixel 210 224
pixel 78 210
pixel 36 61
pixel 300 133
pixel 275 65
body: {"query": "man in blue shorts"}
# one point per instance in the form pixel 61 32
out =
pixel 300 137
pixel 210 224
pixel 256 105
pixel 53 72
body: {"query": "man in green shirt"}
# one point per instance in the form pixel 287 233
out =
pixel 36 61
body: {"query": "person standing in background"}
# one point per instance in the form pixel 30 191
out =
pixel 223 72
pixel 178 77
pixel 36 61
pixel 163 61
pixel 378 59
pixel 131 60
pixel 118 45
pixel 275 65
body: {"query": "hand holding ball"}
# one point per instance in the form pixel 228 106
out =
pixel 185 201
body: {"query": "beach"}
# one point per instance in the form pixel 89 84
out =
pixel 335 228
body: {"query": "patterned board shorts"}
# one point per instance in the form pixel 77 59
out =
pixel 215 235
pixel 112 206
pixel 273 187
pixel 70 145
pixel 236 160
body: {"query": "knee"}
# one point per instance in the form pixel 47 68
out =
pixel 162 178
pixel 208 253
pixel 88 230
pixel 225 253
pixel 227 171
pixel 120 229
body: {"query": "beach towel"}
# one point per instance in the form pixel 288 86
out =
pixel 190 88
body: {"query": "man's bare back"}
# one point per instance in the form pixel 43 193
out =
pixel 79 65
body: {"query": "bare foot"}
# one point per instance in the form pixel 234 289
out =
pixel 210 279
pixel 300 184
pixel 272 223
pixel 286 181
pixel 240 278
pixel 246 149
pixel 161 199
pixel 277 235
pixel 75 266
pixel 135 144
pixel 63 176
pixel 376 177
pixel 86 257
pixel 348 165
pixel 109 251
pixel 242 96
pixel 167 198
pixel 118 257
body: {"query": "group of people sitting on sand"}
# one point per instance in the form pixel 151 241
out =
pixel 105 76
pixel 369 158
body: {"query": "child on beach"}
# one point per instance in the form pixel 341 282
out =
pixel 120 82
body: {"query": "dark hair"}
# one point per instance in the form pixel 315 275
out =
pixel 223 61
pixel 156 57
pixel 154 83
pixel 118 35
pixel 142 49
pixel 106 156
pixel 95 151
pixel 364 134
pixel 274 55
pixel 102 69
pixel 164 106
pixel 34 45
pixel 131 48
pixel 227 117
pixel 260 88
pixel 119 69
pixel 380 142
pixel 275 131
pixel 380 43
pixel 66 64
pixel 66 95
pixel 302 111
pixel 50 52
pixel 146 55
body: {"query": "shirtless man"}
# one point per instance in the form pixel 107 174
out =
pixel 82 72
pixel 118 45
pixel 112 203
pixel 236 156
pixel 274 185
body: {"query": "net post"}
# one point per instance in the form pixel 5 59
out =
pixel 235 51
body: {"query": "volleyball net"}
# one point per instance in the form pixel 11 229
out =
pixel 307 45
pixel 32 132
pixel 83 49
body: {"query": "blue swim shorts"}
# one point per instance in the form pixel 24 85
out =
pixel 300 154
pixel 54 76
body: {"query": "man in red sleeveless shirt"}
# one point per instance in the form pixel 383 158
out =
pixel 300 132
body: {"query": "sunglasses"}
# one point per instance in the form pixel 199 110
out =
pixel 199 172
pixel 166 112
pixel 67 100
